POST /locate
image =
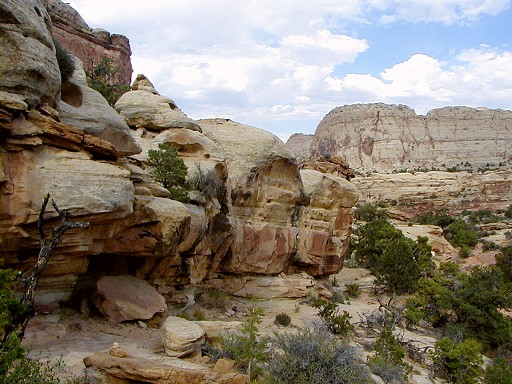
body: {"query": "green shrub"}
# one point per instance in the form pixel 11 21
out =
pixel 381 247
pixel 102 79
pixel 389 360
pixel 283 319
pixel 508 212
pixel 369 212
pixel 338 323
pixel 245 347
pixel 170 170
pixel 460 234
pixel 504 262
pixel 314 356
pixel 215 298
pixel 65 61
pixel 461 363
pixel 353 290
pixel 441 218
pixel 471 303
pixel 207 182
pixel 27 371
pixel 499 372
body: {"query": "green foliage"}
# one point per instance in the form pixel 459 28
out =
pixel 207 182
pixel 337 323
pixel 381 247
pixel 102 79
pixel 389 359
pixel 472 303
pixel 215 298
pixel 353 290
pixel 65 61
pixel 245 347
pixel 170 170
pixel 283 319
pixel 27 371
pixel 440 218
pixel 499 372
pixel 10 310
pixel 504 262
pixel 508 212
pixel 369 212
pixel 460 234
pixel 483 216
pixel 314 356
pixel 461 363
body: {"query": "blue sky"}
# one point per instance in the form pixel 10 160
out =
pixel 283 65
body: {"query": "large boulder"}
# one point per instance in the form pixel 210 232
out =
pixel 181 337
pixel 145 108
pixel 123 298
pixel 28 64
pixel 86 109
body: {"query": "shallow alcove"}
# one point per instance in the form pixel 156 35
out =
pixel 71 94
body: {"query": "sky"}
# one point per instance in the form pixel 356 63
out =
pixel 282 65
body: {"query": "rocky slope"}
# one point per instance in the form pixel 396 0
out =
pixel 269 224
pixel 90 45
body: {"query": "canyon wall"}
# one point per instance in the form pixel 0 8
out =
pixel 266 224
pixel 90 45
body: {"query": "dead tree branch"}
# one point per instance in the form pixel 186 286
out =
pixel 46 248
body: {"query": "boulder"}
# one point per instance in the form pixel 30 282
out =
pixel 143 108
pixel 86 109
pixel 123 298
pixel 27 42
pixel 215 330
pixel 299 144
pixel 181 337
pixel 158 370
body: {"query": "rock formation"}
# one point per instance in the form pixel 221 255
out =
pixel 266 222
pixel 386 137
pixel 300 144
pixel 378 141
pixel 90 45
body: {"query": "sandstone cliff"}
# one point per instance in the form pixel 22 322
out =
pixel 385 137
pixel 90 45
pixel 379 141
pixel 268 220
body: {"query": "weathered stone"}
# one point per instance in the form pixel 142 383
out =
pixel 90 46
pixel 158 370
pixel 265 287
pixel 299 144
pixel 153 112
pixel 86 109
pixel 215 330
pixel 181 337
pixel 27 41
pixel 385 137
pixel 122 298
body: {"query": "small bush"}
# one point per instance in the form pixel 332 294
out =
pixel 369 212
pixel 27 371
pixel 283 319
pixel 314 356
pixel 215 298
pixel 65 61
pixel 386 370
pixel 441 218
pixel 353 290
pixel 207 182
pixel 338 323
pixel 460 234
pixel 461 363
pixel 102 79
pixel 499 372
pixel 389 360
pixel 245 347
pixel 170 170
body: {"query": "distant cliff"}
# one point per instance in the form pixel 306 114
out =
pixel 90 45
pixel 382 137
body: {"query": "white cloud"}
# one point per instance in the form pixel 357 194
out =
pixel 267 61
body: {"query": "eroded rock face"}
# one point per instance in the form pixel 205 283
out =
pixel 385 137
pixel 299 144
pixel 89 45
pixel 84 108
pixel 27 41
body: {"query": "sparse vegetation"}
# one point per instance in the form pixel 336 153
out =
pixel 170 170
pixel 389 360
pixel 314 356
pixel 65 62
pixel 207 182
pixel 336 322
pixel 102 79
pixel 353 290
pixel 283 319
pixel 461 363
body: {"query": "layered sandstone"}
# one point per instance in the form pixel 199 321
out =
pixel 382 137
pixel 90 45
